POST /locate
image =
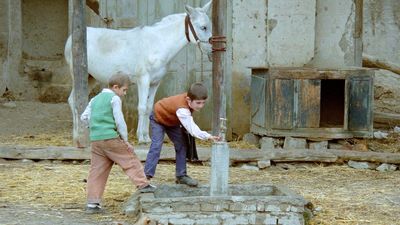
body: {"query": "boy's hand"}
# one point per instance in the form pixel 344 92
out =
pixel 214 138
pixel 130 147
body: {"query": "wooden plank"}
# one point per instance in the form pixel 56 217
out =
pixel 328 133
pixel 309 103
pixel 236 155
pixel 330 155
pixel 382 119
pixel 282 103
pixel 359 104
pixel 321 74
pixel 258 100
pixel 373 62
pixel 51 152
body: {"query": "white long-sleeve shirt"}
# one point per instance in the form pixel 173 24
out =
pixel 186 119
pixel 116 104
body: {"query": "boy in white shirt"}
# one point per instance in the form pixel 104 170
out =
pixel 167 116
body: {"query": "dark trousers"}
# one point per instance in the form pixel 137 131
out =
pixel 157 138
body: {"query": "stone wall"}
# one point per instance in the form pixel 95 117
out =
pixel 246 204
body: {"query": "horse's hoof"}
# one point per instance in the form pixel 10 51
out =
pixel 144 140
pixel 147 139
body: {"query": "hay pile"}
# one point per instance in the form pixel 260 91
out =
pixel 341 195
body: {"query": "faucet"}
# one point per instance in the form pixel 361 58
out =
pixel 222 128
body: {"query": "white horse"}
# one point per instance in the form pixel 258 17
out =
pixel 143 53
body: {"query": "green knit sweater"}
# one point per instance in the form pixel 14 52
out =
pixel 102 123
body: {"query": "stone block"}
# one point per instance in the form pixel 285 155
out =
pixel 252 218
pixel 271 220
pixel 295 143
pixel 267 143
pixel 386 167
pixel 252 139
pixel 185 207
pixel 361 165
pixel 208 221
pixel 319 145
pixel 249 167
pixel 263 164
pixel 260 218
pixel 210 207
pixel 10 105
pixel 238 206
pixel 238 219
pixel 260 207
pixel 226 215
pixel 183 221
pixel 291 219
pixel 272 208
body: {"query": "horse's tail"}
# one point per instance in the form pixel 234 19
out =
pixel 68 51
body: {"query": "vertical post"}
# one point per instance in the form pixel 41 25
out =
pixel 220 150
pixel 220 164
pixel 219 24
pixel 13 48
pixel 358 33
pixel 79 64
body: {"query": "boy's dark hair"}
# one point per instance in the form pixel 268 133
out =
pixel 197 91
pixel 120 79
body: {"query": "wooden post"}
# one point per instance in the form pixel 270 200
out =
pixel 358 25
pixel 219 24
pixel 79 63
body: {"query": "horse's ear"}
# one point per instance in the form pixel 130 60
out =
pixel 189 9
pixel 206 7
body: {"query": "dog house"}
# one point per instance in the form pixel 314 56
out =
pixel 312 103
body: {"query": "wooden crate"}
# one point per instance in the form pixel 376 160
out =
pixel 306 102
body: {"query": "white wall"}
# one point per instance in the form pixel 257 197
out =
pixel 334 46
pixel 249 48
pixel 381 35
pixel 291 32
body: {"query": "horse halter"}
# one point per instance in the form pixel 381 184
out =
pixel 211 40
pixel 188 24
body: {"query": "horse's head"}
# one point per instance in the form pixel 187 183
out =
pixel 202 27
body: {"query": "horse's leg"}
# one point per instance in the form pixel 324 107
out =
pixel 143 84
pixel 75 119
pixel 150 101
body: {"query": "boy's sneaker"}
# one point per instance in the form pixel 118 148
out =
pixel 93 208
pixel 187 180
pixel 148 189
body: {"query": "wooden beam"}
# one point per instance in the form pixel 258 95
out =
pixel 382 119
pixel 236 155
pixel 373 62
pixel 330 155
pixel 93 5
pixel 48 152
pixel 79 63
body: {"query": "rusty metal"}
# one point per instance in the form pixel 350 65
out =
pixel 216 40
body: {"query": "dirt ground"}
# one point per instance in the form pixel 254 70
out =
pixel 36 123
pixel 53 192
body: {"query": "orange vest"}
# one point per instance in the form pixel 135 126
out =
pixel 165 109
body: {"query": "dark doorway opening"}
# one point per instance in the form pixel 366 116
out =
pixel 332 103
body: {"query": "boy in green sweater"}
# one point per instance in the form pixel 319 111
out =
pixel 109 142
